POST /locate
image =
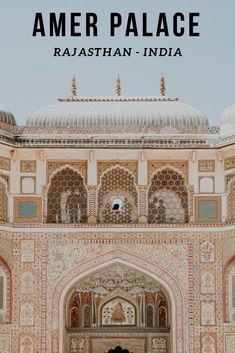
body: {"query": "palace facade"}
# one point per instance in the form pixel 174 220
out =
pixel 117 227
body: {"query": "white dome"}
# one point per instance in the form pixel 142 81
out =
pixel 228 120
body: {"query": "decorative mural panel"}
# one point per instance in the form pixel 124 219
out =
pixel 27 250
pixel 206 165
pixel 26 313
pixel 230 343
pixel 5 163
pixel 117 197
pixel 208 343
pixel 28 166
pixel 159 345
pixel 55 166
pixel 5 343
pixel 229 163
pixel 67 198
pixel 28 209
pixel 131 166
pixel 207 252
pixel 208 313
pixel 168 198
pixel 155 166
pixel 118 312
pixel 77 344
pixel 116 296
pixel 26 345
pixel 3 200
pixel 27 282
pixel 208 209
pixel 207 281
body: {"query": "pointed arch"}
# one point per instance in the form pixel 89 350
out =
pixel 117 196
pixel 168 197
pixel 178 312
pixel 66 197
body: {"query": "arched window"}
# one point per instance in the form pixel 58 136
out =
pixel 162 316
pixel 67 198
pixel 168 198
pixel 5 293
pixel 3 200
pixel 75 311
pixel 162 319
pixel 150 316
pixel 117 197
pixel 86 316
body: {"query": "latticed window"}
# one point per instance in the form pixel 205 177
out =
pixel 117 197
pixel 168 198
pixel 67 198
pixel 231 200
pixel 3 200
pixel 232 295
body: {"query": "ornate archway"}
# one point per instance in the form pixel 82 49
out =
pixel 66 284
pixel 66 197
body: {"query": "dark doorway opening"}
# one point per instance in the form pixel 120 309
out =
pixel 119 349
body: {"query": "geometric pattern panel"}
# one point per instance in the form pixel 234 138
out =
pixel 154 166
pixel 3 200
pixel 168 198
pixel 5 344
pixel 67 198
pixel 117 197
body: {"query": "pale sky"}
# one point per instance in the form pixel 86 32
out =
pixel 32 78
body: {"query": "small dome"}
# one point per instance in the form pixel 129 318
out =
pixel 130 112
pixel 6 117
pixel 228 120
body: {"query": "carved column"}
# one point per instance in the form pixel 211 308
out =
pixel 142 186
pixel 92 187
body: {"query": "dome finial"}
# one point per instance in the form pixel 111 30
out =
pixel 74 86
pixel 162 86
pixel 118 86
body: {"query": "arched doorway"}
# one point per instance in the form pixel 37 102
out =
pixel 117 300
pixel 178 306
pixel 119 349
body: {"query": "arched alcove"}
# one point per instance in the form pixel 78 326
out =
pixel 63 289
pixel 66 197
pixel 117 197
pixel 168 198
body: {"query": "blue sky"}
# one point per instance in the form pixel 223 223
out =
pixel 31 77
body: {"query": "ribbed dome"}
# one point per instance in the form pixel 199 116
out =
pixel 118 111
pixel 6 117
